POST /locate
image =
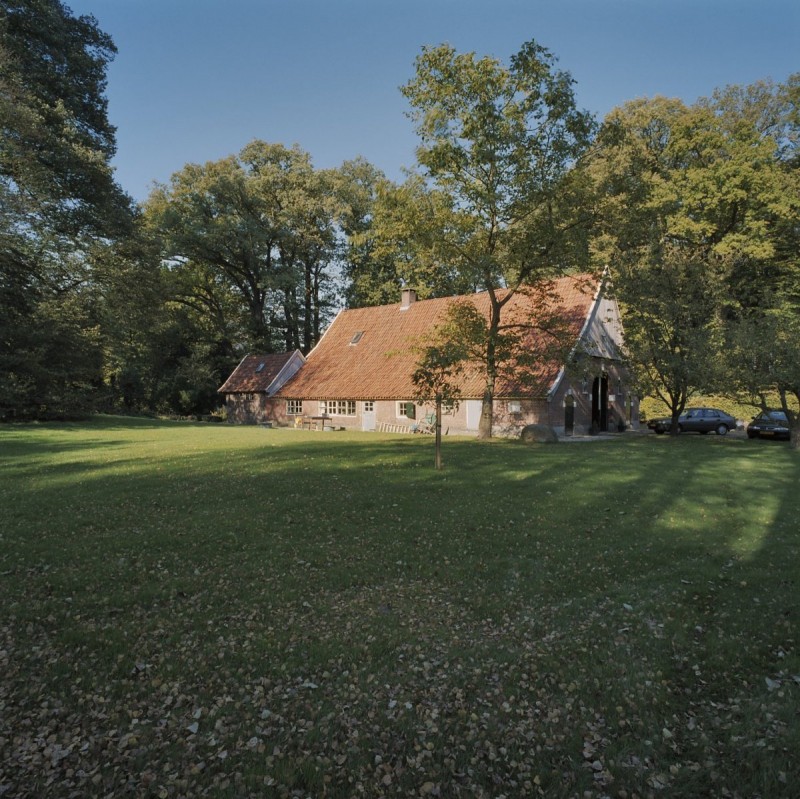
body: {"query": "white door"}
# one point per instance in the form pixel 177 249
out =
pixel 473 413
pixel 368 416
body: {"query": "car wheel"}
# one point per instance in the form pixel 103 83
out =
pixel 704 432
pixel 722 430
pixel 660 431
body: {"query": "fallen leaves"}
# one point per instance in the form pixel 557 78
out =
pixel 409 641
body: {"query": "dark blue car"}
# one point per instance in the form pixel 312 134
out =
pixel 769 424
pixel 697 420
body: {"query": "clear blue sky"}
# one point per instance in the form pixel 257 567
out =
pixel 196 80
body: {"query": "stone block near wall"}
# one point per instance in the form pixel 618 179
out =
pixel 538 434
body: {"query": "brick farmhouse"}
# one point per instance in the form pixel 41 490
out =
pixel 358 376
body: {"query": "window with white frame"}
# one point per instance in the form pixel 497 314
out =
pixel 294 407
pixel 514 406
pixel 337 407
pixel 369 406
pixel 406 410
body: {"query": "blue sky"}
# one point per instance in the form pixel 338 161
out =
pixel 196 80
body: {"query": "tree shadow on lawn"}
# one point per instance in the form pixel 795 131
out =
pixel 659 572
pixel 614 512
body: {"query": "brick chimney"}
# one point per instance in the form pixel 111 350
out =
pixel 408 298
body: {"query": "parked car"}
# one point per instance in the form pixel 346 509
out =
pixel 769 424
pixel 697 420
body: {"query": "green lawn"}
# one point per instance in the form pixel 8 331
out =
pixel 193 610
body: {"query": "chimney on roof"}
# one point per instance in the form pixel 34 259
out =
pixel 408 298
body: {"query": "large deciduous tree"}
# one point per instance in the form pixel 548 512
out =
pixel 764 313
pixel 58 205
pixel 688 193
pixel 497 149
pixel 258 230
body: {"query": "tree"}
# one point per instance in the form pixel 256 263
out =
pixel 369 271
pixel 58 205
pixel 673 331
pixel 688 194
pixel 765 357
pixel 497 148
pixel 764 314
pixel 405 247
pixel 258 228
pixel 55 138
pixel 436 377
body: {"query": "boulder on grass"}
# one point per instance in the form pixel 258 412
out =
pixel 538 434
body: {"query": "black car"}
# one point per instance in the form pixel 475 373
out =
pixel 697 420
pixel 769 424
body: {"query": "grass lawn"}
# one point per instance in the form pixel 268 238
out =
pixel 202 610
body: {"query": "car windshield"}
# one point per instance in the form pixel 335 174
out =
pixel 777 416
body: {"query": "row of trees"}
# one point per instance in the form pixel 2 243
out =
pixel 104 304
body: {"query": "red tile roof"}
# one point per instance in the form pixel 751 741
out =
pixel 380 364
pixel 255 373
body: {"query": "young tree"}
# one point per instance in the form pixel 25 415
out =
pixel 497 148
pixel 436 379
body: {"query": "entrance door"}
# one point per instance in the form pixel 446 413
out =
pixel 569 415
pixel 473 413
pixel 368 416
pixel 600 403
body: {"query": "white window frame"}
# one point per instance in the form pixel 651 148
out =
pixel 294 407
pixel 368 406
pixel 401 410
pixel 337 407
pixel 514 406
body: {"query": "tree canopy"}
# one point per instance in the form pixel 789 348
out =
pixel 258 229
pixel 694 199
pixel 58 205
pixel 498 147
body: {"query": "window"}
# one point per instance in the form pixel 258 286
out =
pixel 337 407
pixel 260 367
pixel 514 406
pixel 356 336
pixel 406 410
pixel 369 406
pixel 294 407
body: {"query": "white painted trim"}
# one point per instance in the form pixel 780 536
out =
pixel 276 382
pixel 586 324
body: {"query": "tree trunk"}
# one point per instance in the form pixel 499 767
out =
pixel 673 427
pixel 438 448
pixel 794 433
pixel 487 414
pixel 308 304
pixel 487 407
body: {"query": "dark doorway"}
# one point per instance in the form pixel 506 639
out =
pixel 569 415
pixel 600 403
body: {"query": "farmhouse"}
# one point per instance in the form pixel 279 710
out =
pixel 359 374
pixel 257 378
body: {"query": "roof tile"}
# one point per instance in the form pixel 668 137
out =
pixel 255 373
pixel 380 363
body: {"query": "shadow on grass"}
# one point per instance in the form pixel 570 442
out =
pixel 375 501
pixel 619 588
